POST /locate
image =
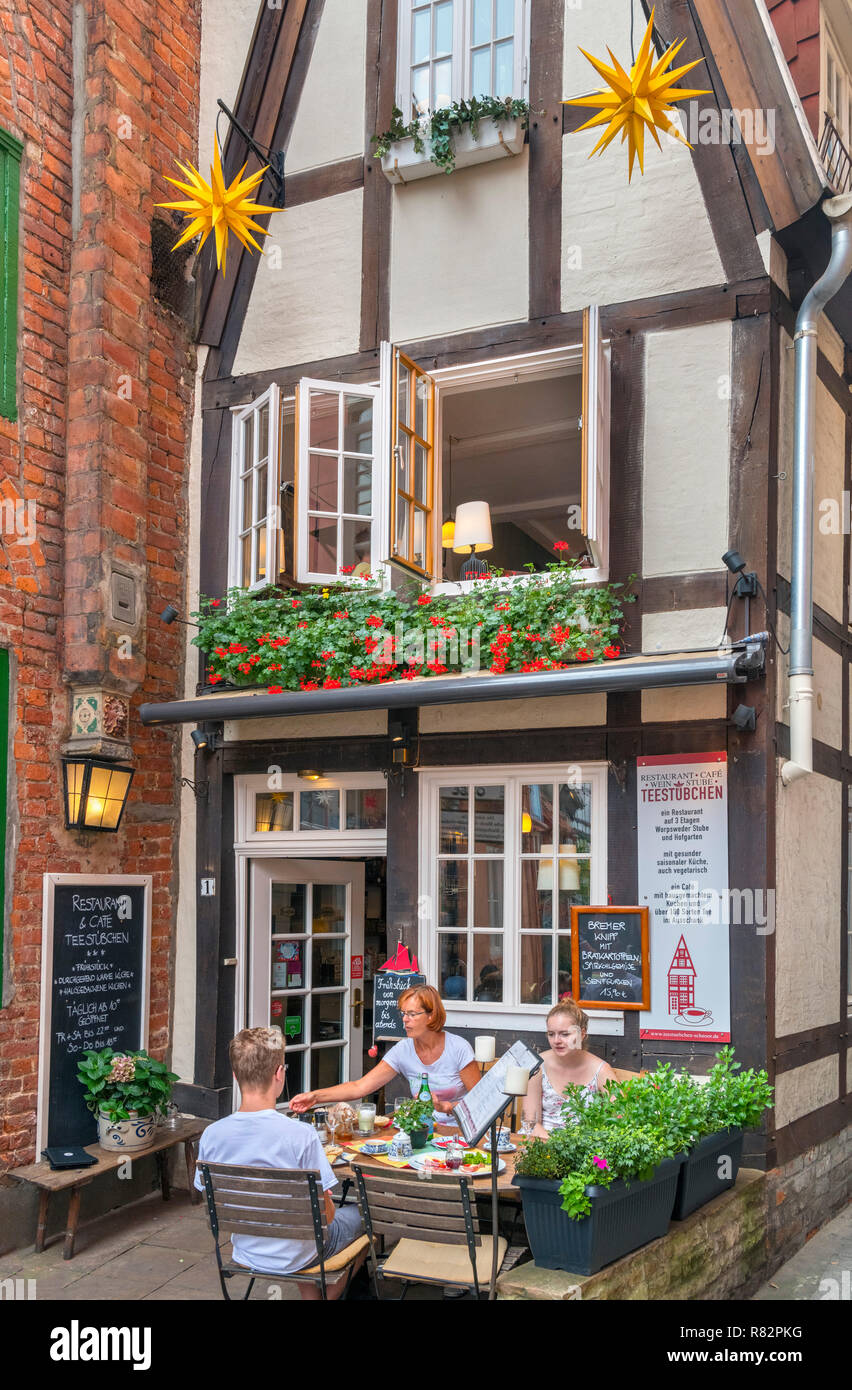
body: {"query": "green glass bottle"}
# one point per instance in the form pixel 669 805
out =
pixel 424 1093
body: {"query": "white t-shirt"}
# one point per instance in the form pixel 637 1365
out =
pixel 444 1075
pixel 266 1139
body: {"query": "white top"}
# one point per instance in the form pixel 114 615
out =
pixel 267 1139
pixel 444 1075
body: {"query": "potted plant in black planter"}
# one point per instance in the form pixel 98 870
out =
pixel 599 1188
pixel 127 1092
pixel 415 1117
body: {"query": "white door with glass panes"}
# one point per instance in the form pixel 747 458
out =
pixel 306 924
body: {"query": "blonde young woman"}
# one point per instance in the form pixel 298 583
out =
pixel 566 1062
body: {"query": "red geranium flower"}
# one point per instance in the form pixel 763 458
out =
pixel 280 642
pixel 276 690
pixel 215 603
pixel 301 625
pixel 344 614
pixel 423 600
pixel 326 656
pixel 331 685
pixel 235 649
pixel 295 603
pixel 214 679
pixel 346 569
pixel 373 621
pixel 561 545
pixel 220 651
pixel 612 652
pixel 244 667
pixel 585 655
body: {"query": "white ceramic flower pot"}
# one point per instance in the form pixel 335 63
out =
pixel 115 1135
pixel 495 140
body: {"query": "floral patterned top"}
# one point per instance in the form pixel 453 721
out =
pixel 552 1102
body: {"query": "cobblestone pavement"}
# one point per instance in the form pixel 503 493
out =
pixel 822 1269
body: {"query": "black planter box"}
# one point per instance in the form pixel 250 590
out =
pixel 699 1180
pixel 623 1217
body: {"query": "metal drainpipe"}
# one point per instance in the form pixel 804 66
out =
pixel 801 670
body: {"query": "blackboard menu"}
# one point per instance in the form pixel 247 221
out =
pixel 609 947
pixel 95 985
pixel 387 989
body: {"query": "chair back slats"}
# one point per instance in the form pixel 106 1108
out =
pixel 439 1188
pixel 393 1231
pixel 271 1202
pixel 397 1214
pixel 279 1225
pixel 398 1203
pixel 436 1210
pixel 273 1187
pixel 243 1226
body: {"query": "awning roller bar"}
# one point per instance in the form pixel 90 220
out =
pixel 733 666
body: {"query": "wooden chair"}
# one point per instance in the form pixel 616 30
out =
pixel 278 1203
pixel 435 1228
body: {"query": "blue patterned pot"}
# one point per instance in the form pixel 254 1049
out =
pixel 118 1135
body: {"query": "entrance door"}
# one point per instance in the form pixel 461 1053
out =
pixel 307 922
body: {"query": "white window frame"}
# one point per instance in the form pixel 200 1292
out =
pixel 380 503
pixel 461 54
pixel 272 520
pixel 512 776
pixel 302 844
pixel 831 50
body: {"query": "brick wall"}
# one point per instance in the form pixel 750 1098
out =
pixel 104 398
pixel 797 26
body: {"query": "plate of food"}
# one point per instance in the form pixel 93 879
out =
pixel 381 1121
pixel 474 1163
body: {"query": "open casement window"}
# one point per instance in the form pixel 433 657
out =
pixel 413 468
pixel 837 88
pixel 451 50
pixel 255 518
pixel 595 440
pixel 339 493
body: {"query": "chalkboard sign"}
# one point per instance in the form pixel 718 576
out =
pixel 609 955
pixel 387 1024
pixel 95 965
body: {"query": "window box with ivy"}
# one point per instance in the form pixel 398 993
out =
pixel 457 136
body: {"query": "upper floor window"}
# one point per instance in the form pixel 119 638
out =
pixel 451 50
pixel 838 89
pixel 10 173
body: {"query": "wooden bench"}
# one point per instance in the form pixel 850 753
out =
pixel 42 1176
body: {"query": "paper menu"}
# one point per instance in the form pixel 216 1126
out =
pixel 479 1107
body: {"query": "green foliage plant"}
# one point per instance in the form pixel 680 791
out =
pixel 439 128
pixel 413 1115
pixel 146 1091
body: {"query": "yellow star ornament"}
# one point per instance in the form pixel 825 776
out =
pixel 211 207
pixel 642 98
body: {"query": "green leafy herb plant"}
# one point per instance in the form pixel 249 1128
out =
pixel 413 1115
pixel 123 1085
pixel 438 129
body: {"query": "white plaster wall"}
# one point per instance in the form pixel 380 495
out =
pixel 682 703
pixel 306 301
pixel 804 1089
pixel 828 688
pixel 557 712
pixel 828 483
pixel 687 449
pixel 774 260
pixel 226 30
pixel 460 250
pixel 694 627
pixel 355 724
pixel 329 123
pixel 807 903
pixel 621 240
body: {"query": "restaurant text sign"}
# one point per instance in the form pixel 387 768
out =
pixel 609 948
pixel 95 967
pixel 683 879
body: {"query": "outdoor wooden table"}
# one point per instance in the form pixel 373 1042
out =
pixel 186 1132
pixel 343 1172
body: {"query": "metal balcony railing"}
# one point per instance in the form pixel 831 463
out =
pixel 836 159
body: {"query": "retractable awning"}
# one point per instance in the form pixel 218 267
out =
pixel 731 665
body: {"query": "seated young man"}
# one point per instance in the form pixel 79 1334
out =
pixel 259 1136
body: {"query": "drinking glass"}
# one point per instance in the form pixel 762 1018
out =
pixel 366 1118
pixel 332 1123
pixel 453 1156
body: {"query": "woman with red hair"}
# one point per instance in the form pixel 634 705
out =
pixel 446 1059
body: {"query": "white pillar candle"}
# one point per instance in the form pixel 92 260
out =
pixel 516 1081
pixel 484 1049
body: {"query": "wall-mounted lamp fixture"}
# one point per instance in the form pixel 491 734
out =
pixel 171 615
pixel 309 775
pixel 746 586
pixel 95 793
pixel 744 718
pixel 204 742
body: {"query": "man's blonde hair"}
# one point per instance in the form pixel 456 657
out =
pixel 256 1054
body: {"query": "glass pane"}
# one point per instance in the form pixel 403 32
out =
pixel 403 462
pixel 421 408
pixel 260 495
pixel 294 1077
pixel 443 28
pixel 248 500
pixel 575 819
pixel 246 559
pixel 403 390
pixel 325 420
pixel 322 546
pixel 322 487
pixel 288 908
pixel 488 967
pixel 421 472
pixel 452 966
pixel 248 442
pixel 573 888
pixel 488 820
pixel 326 1067
pixel 329 908
pixel 480 72
pixel 504 69
pixel 273 811
pixel 356 546
pixel 418 552
pixel 442 83
pixel 261 553
pixel 320 810
pixel 481 21
pixel 536 969
pixel 357 487
pixel 288 965
pixel 453 823
pixel 536 818
pixel 402 527
pixel 488 893
pixel 452 891
pixel 263 433
pixel 420 35
pixel 289 1015
pixel 505 18
pixel 326 1017
pixel 563 966
pixel 366 810
pixel 358 424
pixel 420 89
pixel 327 963
pixel 536 894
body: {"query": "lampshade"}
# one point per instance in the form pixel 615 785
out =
pixel 473 528
pixel 95 793
pixel 448 535
pixel 526 823
pixel 569 870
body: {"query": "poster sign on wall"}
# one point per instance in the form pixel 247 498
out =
pixel 683 879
